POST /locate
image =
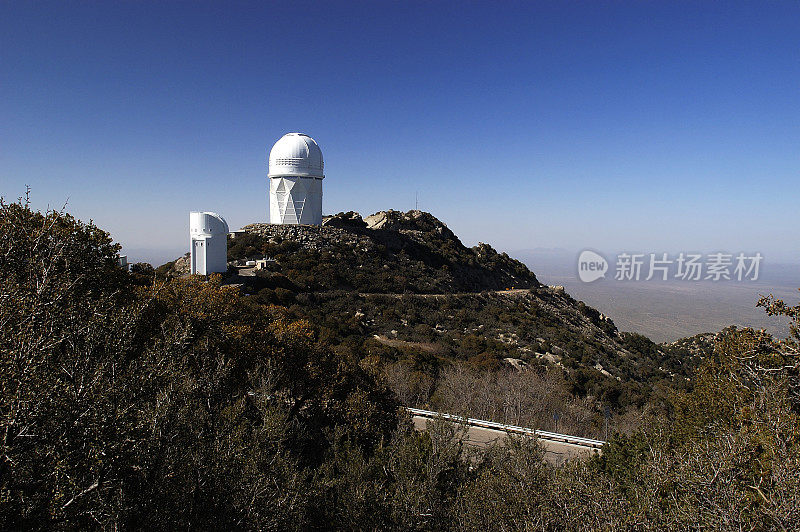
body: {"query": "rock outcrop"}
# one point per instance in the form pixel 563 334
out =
pixel 401 252
pixel 349 219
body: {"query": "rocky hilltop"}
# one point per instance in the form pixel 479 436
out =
pixel 404 287
pixel 388 252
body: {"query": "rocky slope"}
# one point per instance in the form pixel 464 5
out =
pixel 404 287
pixel 389 252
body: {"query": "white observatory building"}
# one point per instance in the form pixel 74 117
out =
pixel 295 181
pixel 208 232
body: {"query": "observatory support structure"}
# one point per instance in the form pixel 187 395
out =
pixel 295 180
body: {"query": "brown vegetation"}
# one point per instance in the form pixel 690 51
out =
pixel 129 403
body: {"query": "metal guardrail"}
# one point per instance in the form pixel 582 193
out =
pixel 551 436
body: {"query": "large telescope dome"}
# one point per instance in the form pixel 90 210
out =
pixel 296 154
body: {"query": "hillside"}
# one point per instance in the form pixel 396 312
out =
pixel 166 402
pixel 390 252
pixel 404 287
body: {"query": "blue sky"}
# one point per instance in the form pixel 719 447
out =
pixel 649 126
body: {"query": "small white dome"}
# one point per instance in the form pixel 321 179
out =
pixel 296 154
pixel 207 223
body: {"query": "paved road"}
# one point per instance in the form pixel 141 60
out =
pixel 555 452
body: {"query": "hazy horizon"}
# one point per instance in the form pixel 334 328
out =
pixel 669 310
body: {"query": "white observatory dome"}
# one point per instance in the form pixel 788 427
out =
pixel 296 154
pixel 208 235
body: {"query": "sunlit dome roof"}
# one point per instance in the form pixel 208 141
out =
pixel 207 223
pixel 296 154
